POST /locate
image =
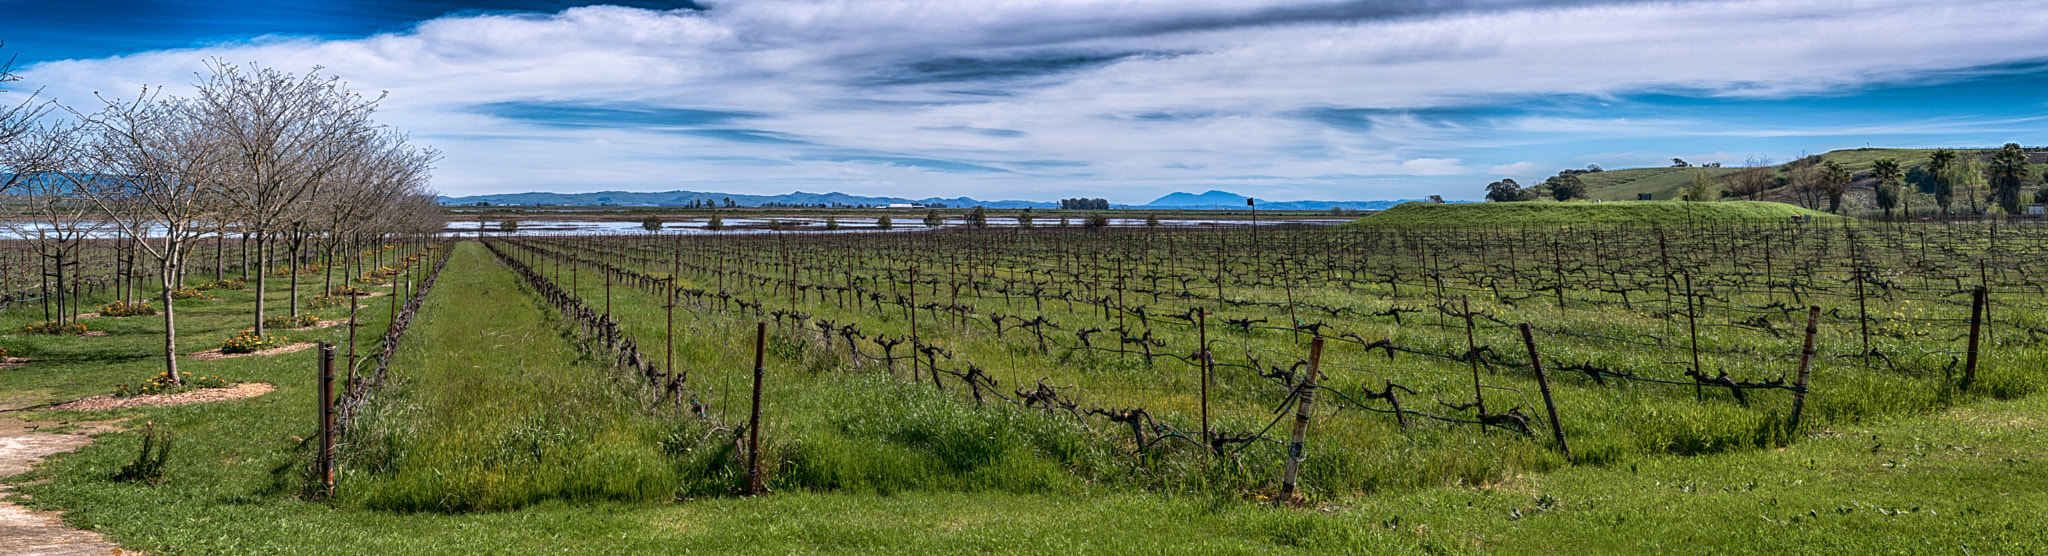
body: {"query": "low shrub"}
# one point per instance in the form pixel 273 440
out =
pixel 187 293
pixel 148 467
pixel 249 342
pixel 126 309
pixel 223 285
pixel 55 327
pixel 289 321
pixel 162 384
pixel 325 301
pixel 287 271
pixel 345 290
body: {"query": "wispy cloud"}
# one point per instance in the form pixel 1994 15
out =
pixel 1129 99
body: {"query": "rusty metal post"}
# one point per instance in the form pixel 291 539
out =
pixel 1805 366
pixel 1543 383
pixel 325 460
pixel 754 422
pixel 1301 413
pixel 1976 322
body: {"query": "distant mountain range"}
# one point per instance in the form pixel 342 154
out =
pixel 1208 200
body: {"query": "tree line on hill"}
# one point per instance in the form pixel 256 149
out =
pixel 1959 182
pixel 292 162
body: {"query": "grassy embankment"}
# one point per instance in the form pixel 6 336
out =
pixel 1677 213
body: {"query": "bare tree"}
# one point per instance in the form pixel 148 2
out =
pixel 20 157
pixel 1753 180
pixel 56 223
pixel 150 166
pixel 285 135
pixel 1809 185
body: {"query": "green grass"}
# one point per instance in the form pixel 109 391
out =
pixel 1969 480
pixel 493 406
pixel 869 462
pixel 1663 184
pixel 1419 214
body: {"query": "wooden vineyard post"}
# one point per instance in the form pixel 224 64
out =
pixel 1863 316
pixel 394 306
pixel 913 324
pixel 325 459
pixel 1692 327
pixel 1472 357
pixel 1984 281
pixel 1543 383
pixel 1976 322
pixel 1301 413
pixel 1202 324
pixel 754 422
pixel 669 339
pixel 1805 366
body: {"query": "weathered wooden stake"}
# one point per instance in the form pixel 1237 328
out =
pixel 325 460
pixel 1976 321
pixel 1863 316
pixel 1301 413
pixel 1692 327
pixel 754 423
pixel 1805 366
pixel 1472 357
pixel 1202 324
pixel 1543 383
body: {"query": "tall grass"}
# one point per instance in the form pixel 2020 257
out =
pixel 493 405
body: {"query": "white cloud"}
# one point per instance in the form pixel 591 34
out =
pixel 1522 168
pixel 1160 87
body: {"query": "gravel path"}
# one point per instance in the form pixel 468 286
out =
pixel 31 533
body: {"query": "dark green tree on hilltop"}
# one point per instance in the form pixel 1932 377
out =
pixel 1503 191
pixel 1835 180
pixel 1565 188
pixel 2008 171
pixel 1886 172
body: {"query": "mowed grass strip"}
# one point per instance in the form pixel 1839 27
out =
pixel 492 405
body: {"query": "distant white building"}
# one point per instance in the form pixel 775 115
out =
pixel 905 206
pixel 2037 209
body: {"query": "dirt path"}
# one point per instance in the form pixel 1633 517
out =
pixel 31 533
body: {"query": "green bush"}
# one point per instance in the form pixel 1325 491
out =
pixel 126 309
pixel 161 384
pixel 289 321
pixel 55 327
pixel 248 342
pixel 187 293
pixel 222 285
pixel 325 301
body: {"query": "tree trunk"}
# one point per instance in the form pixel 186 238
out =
pixel 297 261
pixel 262 277
pixel 170 270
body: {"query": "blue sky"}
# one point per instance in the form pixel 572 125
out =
pixel 1128 99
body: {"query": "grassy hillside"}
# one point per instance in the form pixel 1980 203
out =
pixel 1614 212
pixel 1664 183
